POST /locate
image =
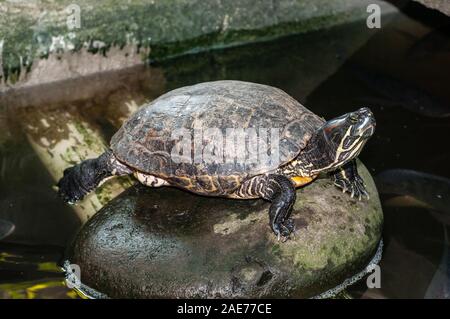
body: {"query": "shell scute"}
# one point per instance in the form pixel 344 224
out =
pixel 146 139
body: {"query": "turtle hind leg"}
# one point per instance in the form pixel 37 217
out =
pixel 348 179
pixel 84 177
pixel 279 190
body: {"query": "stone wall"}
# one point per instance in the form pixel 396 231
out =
pixel 47 39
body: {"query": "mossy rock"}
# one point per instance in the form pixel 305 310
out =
pixel 167 243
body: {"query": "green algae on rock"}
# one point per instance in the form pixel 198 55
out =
pixel 164 242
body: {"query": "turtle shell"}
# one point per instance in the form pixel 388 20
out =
pixel 146 141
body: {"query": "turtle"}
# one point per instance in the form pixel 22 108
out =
pixel 304 145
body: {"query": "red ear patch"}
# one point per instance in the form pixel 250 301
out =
pixel 329 128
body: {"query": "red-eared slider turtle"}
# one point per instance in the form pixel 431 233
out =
pixel 160 145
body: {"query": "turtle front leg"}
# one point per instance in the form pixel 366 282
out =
pixel 279 190
pixel 84 177
pixel 348 179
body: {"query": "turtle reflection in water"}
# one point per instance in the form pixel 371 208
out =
pixel 308 146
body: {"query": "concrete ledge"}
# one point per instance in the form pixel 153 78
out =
pixel 130 33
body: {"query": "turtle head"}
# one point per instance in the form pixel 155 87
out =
pixel 346 135
pixel 335 143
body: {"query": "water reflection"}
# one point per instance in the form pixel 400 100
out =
pixel 432 193
pixel 391 92
pixel 6 228
pixel 417 189
pixel 416 262
pixel 432 43
pixel 32 272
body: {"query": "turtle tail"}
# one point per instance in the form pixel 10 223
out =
pixel 84 177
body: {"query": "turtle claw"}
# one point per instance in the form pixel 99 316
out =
pixel 282 239
pixel 360 180
pixel 69 188
pixel 79 180
pixel 355 188
pixel 293 234
pixel 283 230
pixel 363 194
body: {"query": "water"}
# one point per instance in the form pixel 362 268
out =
pixel 331 72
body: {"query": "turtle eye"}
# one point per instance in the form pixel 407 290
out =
pixel 353 118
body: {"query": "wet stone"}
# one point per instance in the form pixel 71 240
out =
pixel 166 243
pixel 441 5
